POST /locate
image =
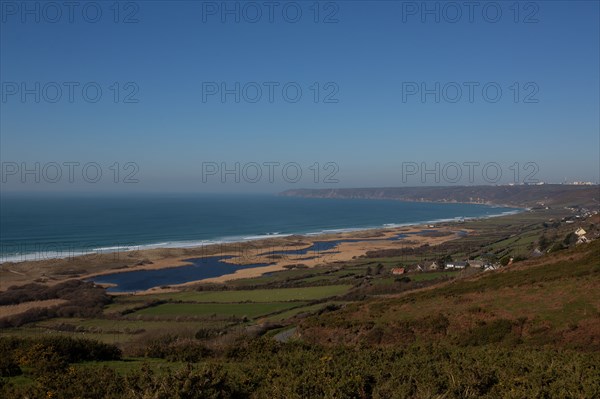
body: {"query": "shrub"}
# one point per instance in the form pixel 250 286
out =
pixel 9 367
pixel 53 354
pixel 487 333
pixel 84 300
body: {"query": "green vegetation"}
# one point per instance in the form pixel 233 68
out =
pixel 258 295
pixel 83 300
pixel 262 368
pixel 233 309
pixel 351 330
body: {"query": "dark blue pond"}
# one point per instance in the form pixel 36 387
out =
pixel 201 268
pixel 214 266
pixel 324 246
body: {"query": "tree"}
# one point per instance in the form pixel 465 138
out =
pixel 543 242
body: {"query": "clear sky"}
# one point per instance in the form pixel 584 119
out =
pixel 168 122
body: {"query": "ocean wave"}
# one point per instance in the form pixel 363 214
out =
pixel 265 236
pixel 46 255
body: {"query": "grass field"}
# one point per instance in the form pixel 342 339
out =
pixel 279 317
pixel 128 326
pixel 35 332
pixel 545 307
pixel 251 310
pixel 258 295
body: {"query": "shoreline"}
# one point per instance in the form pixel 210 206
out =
pixel 59 270
pixel 380 234
pixel 101 251
pixel 85 267
pixel 345 251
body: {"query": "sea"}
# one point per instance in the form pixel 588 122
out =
pixel 37 227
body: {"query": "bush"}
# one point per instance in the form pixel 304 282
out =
pixel 264 368
pixel 9 367
pixel 556 247
pixel 487 333
pixel 570 239
pixel 57 349
pixel 84 300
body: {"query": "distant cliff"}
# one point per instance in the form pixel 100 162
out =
pixel 520 196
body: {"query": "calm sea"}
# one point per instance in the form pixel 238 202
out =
pixel 58 226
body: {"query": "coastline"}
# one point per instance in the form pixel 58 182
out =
pixel 345 251
pixel 194 244
pixel 89 266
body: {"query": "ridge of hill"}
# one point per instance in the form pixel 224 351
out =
pixel 517 195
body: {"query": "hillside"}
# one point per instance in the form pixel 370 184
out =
pixel 351 329
pixel 519 196
pixel 548 301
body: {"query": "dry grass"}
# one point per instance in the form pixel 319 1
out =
pixel 11 310
pixel 550 300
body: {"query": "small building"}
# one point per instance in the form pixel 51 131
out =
pixel 398 270
pixel 582 240
pixel 580 232
pixel 456 265
pixel 415 268
pixel 536 252
pixel 433 266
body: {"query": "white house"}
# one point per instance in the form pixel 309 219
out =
pixel 580 232
pixel 456 265
pixel 433 266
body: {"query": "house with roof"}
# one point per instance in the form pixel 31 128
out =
pixel 581 238
pixel 398 270
pixel 491 266
pixel 456 265
pixel 416 268
pixel 433 266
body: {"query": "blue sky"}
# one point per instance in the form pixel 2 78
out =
pixel 365 59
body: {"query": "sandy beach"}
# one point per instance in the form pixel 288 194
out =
pixel 52 271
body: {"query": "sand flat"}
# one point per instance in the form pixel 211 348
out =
pixel 52 271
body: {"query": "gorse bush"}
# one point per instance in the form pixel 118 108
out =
pixel 50 355
pixel 264 368
pixel 84 299
pixel 487 333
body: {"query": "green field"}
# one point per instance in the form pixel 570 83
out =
pixel 251 310
pixel 35 332
pixel 528 330
pixel 127 326
pixel 258 295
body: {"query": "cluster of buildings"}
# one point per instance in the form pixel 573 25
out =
pixel 452 265
pixel 581 238
pixel 580 212
pixel 581 183
pixel 487 262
